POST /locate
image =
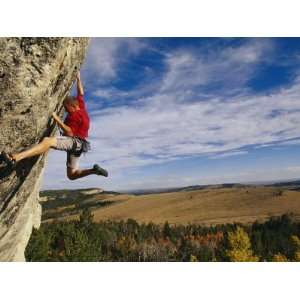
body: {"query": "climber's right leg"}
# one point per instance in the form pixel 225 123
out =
pixel 44 146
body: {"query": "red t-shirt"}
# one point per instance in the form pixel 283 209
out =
pixel 79 120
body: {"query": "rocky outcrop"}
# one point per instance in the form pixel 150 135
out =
pixel 92 191
pixel 35 76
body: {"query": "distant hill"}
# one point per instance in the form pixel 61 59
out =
pixel 217 204
pixel 289 184
pixel 185 188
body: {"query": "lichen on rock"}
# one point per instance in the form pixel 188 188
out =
pixel 36 74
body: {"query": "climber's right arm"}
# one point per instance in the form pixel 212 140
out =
pixel 67 130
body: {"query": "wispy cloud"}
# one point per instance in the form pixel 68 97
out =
pixel 229 67
pixel 110 93
pixel 105 55
pixel 228 154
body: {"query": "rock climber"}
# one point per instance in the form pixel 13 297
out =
pixel 73 140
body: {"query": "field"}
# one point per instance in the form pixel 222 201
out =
pixel 203 206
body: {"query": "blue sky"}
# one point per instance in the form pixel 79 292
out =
pixel 171 112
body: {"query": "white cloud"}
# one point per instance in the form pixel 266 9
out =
pixel 253 51
pixel 105 55
pixel 103 93
pixel 110 93
pixel 231 67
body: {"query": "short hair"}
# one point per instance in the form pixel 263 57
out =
pixel 70 100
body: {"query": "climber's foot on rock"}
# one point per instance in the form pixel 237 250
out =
pixel 8 160
pixel 100 171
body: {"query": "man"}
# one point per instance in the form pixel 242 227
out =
pixel 75 131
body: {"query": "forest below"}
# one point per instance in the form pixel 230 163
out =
pixel 277 239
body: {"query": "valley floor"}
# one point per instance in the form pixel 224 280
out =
pixel 208 206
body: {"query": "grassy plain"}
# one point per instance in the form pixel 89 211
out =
pixel 205 206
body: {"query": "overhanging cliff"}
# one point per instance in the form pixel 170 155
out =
pixel 35 76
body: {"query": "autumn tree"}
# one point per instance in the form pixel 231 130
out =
pixel 240 246
pixel 279 258
pixel 296 246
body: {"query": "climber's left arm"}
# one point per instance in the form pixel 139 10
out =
pixel 80 91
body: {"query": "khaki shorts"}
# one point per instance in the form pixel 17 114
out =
pixel 65 143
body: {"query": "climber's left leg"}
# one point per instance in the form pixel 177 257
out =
pixel 38 149
pixel 73 171
pixel 74 174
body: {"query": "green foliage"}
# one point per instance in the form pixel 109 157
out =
pixel 38 246
pixel 84 240
pixel 273 237
pixel 86 219
pixel 66 241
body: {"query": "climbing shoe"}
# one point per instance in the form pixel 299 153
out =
pixel 99 171
pixel 10 163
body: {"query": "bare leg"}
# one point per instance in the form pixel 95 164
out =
pixel 38 149
pixel 74 174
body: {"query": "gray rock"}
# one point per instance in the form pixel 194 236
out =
pixel 35 76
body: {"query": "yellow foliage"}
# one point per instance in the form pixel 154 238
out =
pixel 279 258
pixel 193 258
pixel 297 255
pixel 296 243
pixel 240 247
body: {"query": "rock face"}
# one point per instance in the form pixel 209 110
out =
pixel 35 76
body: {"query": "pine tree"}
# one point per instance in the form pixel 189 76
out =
pixel 86 218
pixel 166 230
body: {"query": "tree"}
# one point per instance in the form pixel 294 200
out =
pixel 240 246
pixel 166 230
pixel 279 258
pixel 39 246
pixel 86 218
pixel 296 246
pixel 193 258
